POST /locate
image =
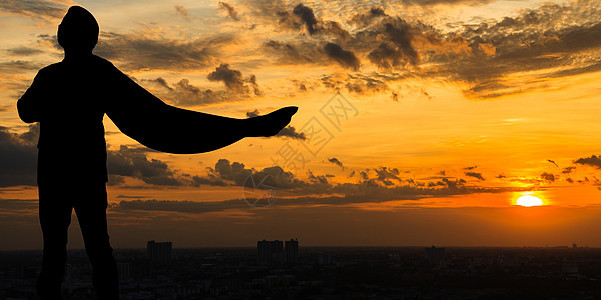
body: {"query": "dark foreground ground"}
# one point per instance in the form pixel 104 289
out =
pixel 329 273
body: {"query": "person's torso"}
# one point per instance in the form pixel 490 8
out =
pixel 71 132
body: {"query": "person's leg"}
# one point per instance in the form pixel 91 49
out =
pixel 91 214
pixel 55 217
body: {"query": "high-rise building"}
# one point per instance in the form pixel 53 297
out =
pixel 270 252
pixel 159 253
pixel 124 270
pixel 324 259
pixel 291 248
pixel 434 255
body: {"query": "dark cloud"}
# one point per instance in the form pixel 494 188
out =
pixel 288 20
pixel 22 51
pixel 385 176
pixel 182 93
pixel 233 80
pixel 290 53
pixel 185 94
pixel 475 175
pixel 133 162
pixel 568 170
pixel 355 83
pixel 553 162
pixel 130 197
pixel 397 50
pixel 366 191
pixel 318 179
pixel 445 2
pixel 183 12
pixel 115 180
pixel 230 10
pixel 335 29
pixel 179 206
pixel 210 179
pixel 337 162
pixel 236 173
pixel 18 157
pixel 539 39
pixel 385 56
pixel 18 205
pixel 592 67
pixel 212 206
pixel 365 84
pixel 307 16
pixel 457 184
pixel 345 58
pixel 548 176
pixel 252 83
pixel 49 41
pixel 6 108
pixel 162 53
pixel 290 132
pixel 303 16
pixel 34 8
pixel 470 168
pixel 593 161
pixel 303 85
pixel 19 66
pixel 364 19
pixel 252 114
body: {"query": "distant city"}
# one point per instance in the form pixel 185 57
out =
pixel 286 270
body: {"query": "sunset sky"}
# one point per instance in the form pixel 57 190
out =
pixel 420 122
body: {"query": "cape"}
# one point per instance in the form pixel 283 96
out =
pixel 162 127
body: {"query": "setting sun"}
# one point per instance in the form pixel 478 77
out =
pixel 529 200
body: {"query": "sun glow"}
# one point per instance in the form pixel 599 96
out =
pixel 529 200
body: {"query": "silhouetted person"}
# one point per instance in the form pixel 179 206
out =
pixel 69 100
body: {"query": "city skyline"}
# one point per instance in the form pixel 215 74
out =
pixel 376 272
pixel 438 120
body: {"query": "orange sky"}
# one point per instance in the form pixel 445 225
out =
pixel 454 110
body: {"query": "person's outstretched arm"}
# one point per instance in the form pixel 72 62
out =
pixel 145 118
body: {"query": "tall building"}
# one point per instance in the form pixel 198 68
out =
pixel 159 253
pixel 274 253
pixel 124 270
pixel 434 255
pixel 291 248
pixel 270 252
